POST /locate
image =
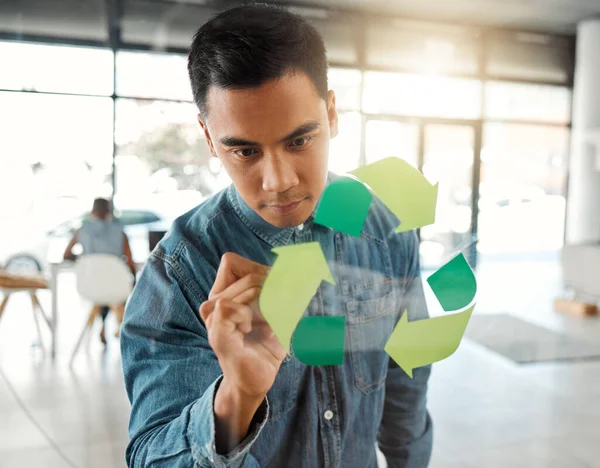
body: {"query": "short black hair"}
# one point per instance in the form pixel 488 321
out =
pixel 101 207
pixel 245 46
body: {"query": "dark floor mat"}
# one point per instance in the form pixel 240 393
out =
pixel 524 342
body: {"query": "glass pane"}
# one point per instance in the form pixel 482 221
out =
pixel 448 159
pixel 163 164
pixel 344 149
pixel 55 158
pixel 35 67
pixel 389 138
pixel 421 95
pixel 161 149
pixel 64 19
pixel 522 203
pixel 346 84
pixel 339 32
pixel 150 75
pixel 518 55
pixel 527 102
pixel 162 24
pixel 421 47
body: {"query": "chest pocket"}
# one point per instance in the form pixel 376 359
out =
pixel 283 393
pixel 364 272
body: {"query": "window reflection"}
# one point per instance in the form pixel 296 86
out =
pixel 161 149
pixel 55 158
pixel 346 83
pixel 520 101
pixel 390 138
pixel 152 75
pixel 41 67
pixel 421 95
pixel 448 161
pixel 522 202
pixel 344 149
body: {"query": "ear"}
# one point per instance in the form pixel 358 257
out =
pixel 209 141
pixel 332 114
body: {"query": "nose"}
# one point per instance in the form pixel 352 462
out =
pixel 279 173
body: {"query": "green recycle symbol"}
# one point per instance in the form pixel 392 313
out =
pixel 299 270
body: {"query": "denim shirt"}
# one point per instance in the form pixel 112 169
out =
pixel 328 416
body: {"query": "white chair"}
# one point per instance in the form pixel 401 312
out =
pixel 104 280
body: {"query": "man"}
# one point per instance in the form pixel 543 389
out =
pixel 209 383
pixel 101 235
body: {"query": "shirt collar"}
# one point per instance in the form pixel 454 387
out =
pixel 273 235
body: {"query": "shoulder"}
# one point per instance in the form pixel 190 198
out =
pixel 197 227
pixel 192 248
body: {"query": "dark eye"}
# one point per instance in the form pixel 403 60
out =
pixel 300 142
pixel 246 152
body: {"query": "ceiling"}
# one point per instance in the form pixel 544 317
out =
pixel 170 23
pixel 542 15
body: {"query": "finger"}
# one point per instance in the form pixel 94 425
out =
pixel 232 268
pixel 248 297
pixel 206 308
pixel 230 315
pixel 233 291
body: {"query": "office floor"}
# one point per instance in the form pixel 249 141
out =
pixel 488 412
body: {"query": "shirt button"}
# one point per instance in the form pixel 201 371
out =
pixel 328 415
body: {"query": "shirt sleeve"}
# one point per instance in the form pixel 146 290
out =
pixel 406 433
pixel 172 375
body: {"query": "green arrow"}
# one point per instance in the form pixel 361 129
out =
pixel 423 342
pixel 404 190
pixel 454 284
pixel 344 206
pixel 291 283
pixel 319 341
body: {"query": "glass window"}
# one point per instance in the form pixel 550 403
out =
pixel 162 24
pixel 346 84
pixel 523 175
pixel 390 138
pixel 421 47
pixel 421 95
pixel 55 158
pixel 520 101
pixel 62 69
pixel 344 149
pixel 339 32
pixel 161 150
pixel 64 19
pixel 529 56
pixel 151 75
pixel 448 161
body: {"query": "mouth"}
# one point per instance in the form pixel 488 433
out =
pixel 286 208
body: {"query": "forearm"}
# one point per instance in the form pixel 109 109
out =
pixel 234 413
pixel 163 446
pixel 190 439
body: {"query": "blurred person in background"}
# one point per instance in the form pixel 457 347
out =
pixel 209 382
pixel 102 235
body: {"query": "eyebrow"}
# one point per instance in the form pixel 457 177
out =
pixel 298 132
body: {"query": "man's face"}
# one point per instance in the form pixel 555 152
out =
pixel 273 141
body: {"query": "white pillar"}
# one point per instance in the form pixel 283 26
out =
pixel 583 204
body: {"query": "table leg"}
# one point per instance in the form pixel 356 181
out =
pixel 54 316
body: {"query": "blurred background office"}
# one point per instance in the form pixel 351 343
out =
pixel 495 99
